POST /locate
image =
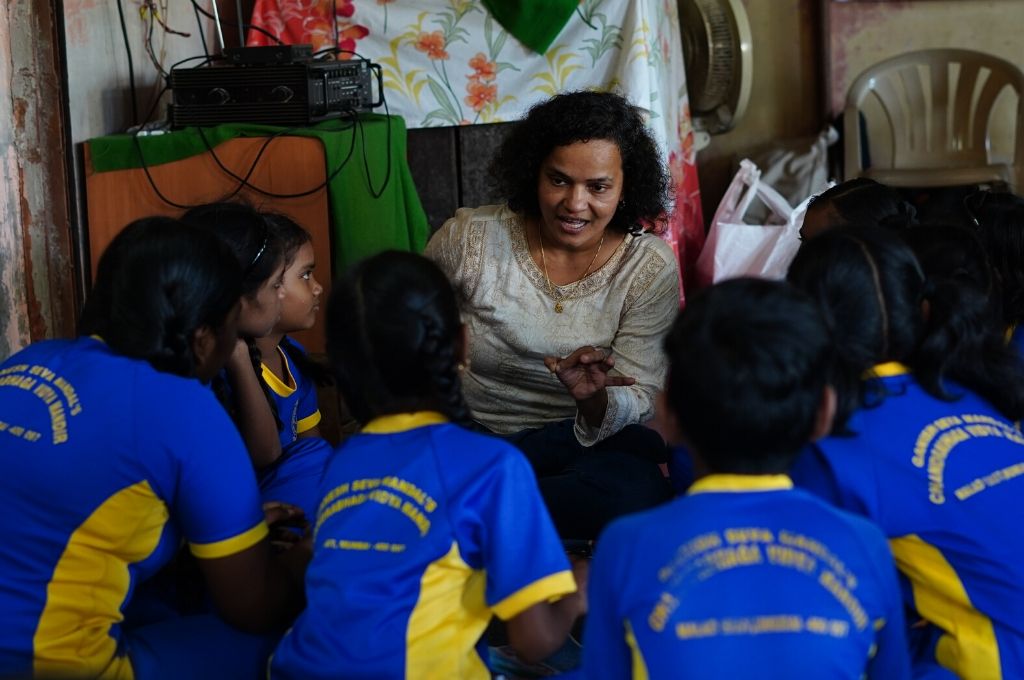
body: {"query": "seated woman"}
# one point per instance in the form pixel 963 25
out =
pixel 931 452
pixel 567 297
pixel 117 454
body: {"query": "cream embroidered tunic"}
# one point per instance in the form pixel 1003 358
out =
pixel 625 307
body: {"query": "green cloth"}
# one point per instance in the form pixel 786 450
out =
pixel 535 23
pixel 361 224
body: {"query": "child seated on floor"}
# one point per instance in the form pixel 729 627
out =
pixel 745 576
pixel 425 530
pixel 927 443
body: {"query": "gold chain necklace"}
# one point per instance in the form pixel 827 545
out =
pixel 544 262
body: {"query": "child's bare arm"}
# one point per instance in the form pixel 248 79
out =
pixel 539 631
pixel 254 418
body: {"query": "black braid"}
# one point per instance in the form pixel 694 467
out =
pixel 437 352
pixel 392 335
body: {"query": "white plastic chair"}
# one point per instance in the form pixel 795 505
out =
pixel 938 107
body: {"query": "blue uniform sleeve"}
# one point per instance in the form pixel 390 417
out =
pixel 606 652
pixel 892 658
pixel 519 548
pixel 216 502
pixel 811 471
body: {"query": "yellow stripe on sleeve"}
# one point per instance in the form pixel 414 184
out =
pixel 639 666
pixel 968 646
pixel 549 588
pixel 230 546
pixel 308 423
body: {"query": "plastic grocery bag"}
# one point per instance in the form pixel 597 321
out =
pixel 735 248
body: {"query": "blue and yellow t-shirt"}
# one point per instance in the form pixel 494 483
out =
pixel 108 464
pixel 943 481
pixel 296 399
pixel 744 577
pixel 424 531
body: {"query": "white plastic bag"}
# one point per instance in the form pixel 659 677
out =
pixel 735 248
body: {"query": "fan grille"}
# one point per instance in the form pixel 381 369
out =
pixel 711 59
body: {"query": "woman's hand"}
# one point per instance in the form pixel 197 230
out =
pixel 585 372
pixel 585 376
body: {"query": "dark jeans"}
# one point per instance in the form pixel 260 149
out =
pixel 585 488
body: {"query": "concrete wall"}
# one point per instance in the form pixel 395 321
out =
pixel 98 83
pixel 861 34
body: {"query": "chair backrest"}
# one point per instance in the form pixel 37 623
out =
pixel 937 104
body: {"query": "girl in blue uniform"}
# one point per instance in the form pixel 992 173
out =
pixel 250 235
pixel 122 455
pixel 745 576
pixel 290 377
pixel 926 445
pixel 425 530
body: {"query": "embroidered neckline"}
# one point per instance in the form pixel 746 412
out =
pixel 588 285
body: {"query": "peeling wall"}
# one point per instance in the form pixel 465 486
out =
pixel 36 280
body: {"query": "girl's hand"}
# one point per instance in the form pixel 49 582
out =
pixel 239 358
pixel 585 372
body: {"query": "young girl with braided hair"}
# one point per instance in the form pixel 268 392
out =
pixel 250 236
pixel 425 530
pixel 930 451
pixel 290 378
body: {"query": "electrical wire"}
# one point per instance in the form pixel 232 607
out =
pixel 245 183
pixel 131 64
pixel 258 29
pixel 202 34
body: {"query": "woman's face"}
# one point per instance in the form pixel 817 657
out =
pixel 301 292
pixel 578 192
pixel 262 309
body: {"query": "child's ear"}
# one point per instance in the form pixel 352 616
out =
pixel 665 422
pixel 825 415
pixel 204 349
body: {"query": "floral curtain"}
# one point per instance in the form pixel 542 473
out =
pixel 448 62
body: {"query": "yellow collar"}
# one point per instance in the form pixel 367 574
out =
pixel 886 370
pixel 740 483
pixel 281 388
pixel 400 422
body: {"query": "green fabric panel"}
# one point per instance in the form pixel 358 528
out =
pixel 361 225
pixel 535 23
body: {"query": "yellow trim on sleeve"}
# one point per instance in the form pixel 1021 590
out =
pixel 230 546
pixel 1010 330
pixel 308 423
pixel 638 663
pixel 968 646
pixel 547 589
pixel 278 386
pixel 741 483
pixel 401 422
pixel 886 370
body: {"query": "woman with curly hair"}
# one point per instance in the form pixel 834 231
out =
pixel 566 297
